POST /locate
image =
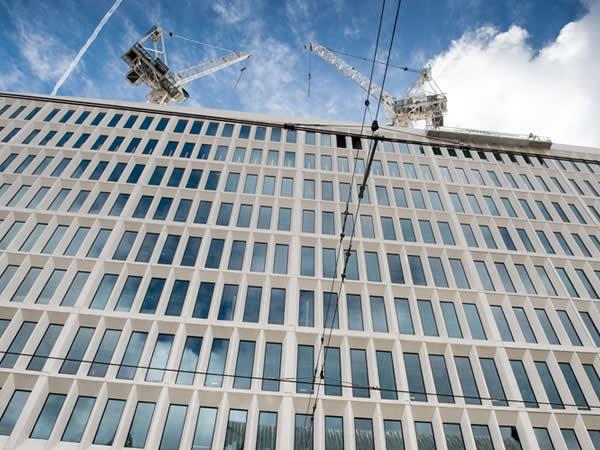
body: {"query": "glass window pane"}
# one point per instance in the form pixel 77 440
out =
pixel 243 368
pixel 266 436
pixel 205 428
pixel 140 425
pixel 11 414
pixel 216 363
pixel 454 438
pixel 189 360
pixel 236 429
pixel 387 377
pixel 271 370
pixel 48 416
pixel 425 436
pixel 104 353
pixel 171 436
pixel 78 420
pixel 403 316
pixel 132 355
pixel 363 434
pixel 304 369
pixel 414 376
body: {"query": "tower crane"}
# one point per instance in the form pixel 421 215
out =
pixel 149 66
pixel 423 101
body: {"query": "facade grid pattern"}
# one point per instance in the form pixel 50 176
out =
pixel 165 280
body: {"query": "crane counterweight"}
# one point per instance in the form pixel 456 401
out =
pixel 149 66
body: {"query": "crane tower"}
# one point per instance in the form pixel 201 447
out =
pixel 150 66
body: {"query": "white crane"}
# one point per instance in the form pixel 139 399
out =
pixel 149 66
pixel 423 101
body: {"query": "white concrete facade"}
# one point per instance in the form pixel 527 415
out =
pixel 113 265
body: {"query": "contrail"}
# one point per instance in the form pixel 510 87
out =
pixel 85 47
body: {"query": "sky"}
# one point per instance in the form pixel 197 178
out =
pixel 507 65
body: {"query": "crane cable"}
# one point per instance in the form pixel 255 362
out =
pixel 404 68
pixel 171 34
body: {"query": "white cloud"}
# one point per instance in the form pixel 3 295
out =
pixel 232 11
pixel 496 81
pixel 46 55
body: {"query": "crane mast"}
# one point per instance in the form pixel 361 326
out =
pixel 149 66
pixel 424 100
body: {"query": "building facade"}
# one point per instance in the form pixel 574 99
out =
pixel 168 280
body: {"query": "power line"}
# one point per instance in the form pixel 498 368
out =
pixel 340 245
pixel 341 384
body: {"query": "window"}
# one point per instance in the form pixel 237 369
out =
pixel 236 257
pixel 414 375
pixel 140 425
pixel 474 321
pixel 360 376
pixel 304 369
pixel 132 355
pixel 77 350
pixel 416 270
pixel 259 256
pixel 330 310
pixel 505 277
pixel 428 321
pixel 44 348
pixel 437 271
pixel 266 437
pixel 363 434
pixel 549 386
pixel 354 307
pixel 104 353
pixel 252 307
pixel 213 258
pixel 303 433
pixel 387 224
pixel 272 367
pixel 228 301
pixel 307 260
pixel 13 411
pixel 243 368
pixel 78 420
pixel 378 314
pixel 441 379
pixel 524 324
pixel 403 316
pixel 459 274
pixel 216 363
pixel 306 309
pixel 372 264
pixel 128 293
pixel 48 415
pixel 189 360
pixel 426 231
pixel 502 323
pixel 524 385
pixel 494 384
pixel 203 300
pixel 395 268
pixel 574 387
pixel 569 328
pixel 484 276
pixel 308 221
pixel 469 235
pixel 451 320
pixel 160 357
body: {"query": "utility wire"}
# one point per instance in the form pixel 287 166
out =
pixel 348 252
pixel 341 384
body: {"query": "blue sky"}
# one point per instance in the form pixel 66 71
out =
pixel 40 38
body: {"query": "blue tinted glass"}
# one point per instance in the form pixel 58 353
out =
pixel 189 360
pixel 77 350
pixel 140 425
pixel 272 367
pixel 205 427
pixel 48 416
pixel 152 296
pixel 243 368
pixel 132 355
pixel 171 436
pixel 216 363
pixel 104 353
pixel 78 420
pixel 13 411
